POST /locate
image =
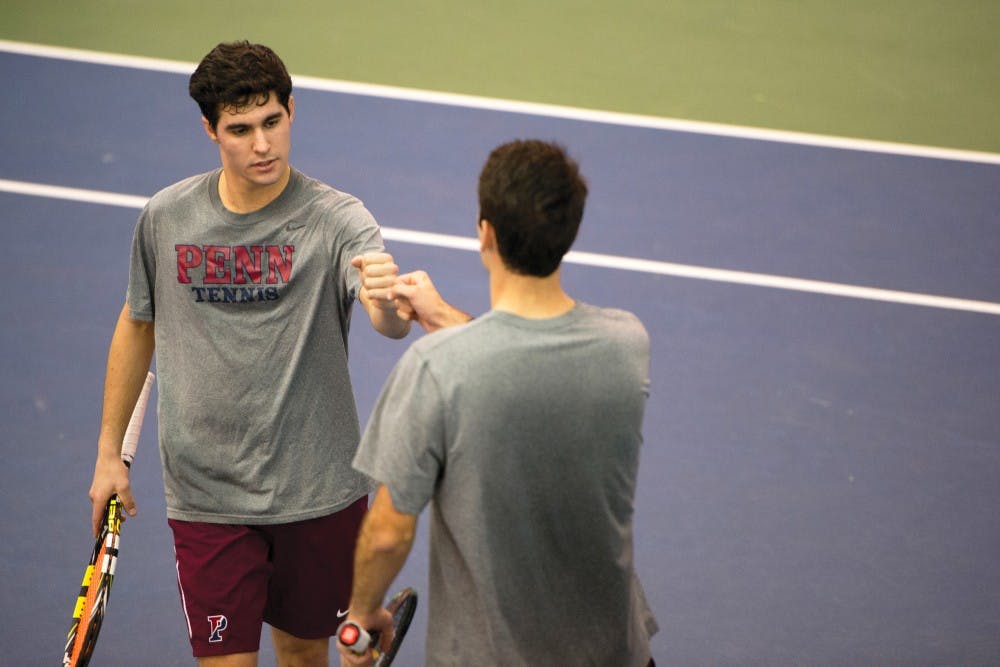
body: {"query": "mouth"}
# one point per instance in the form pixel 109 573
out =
pixel 264 164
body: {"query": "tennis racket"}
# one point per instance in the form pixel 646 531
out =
pixel 401 606
pixel 88 613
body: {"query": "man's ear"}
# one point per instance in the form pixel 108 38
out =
pixel 487 236
pixel 291 108
pixel 209 131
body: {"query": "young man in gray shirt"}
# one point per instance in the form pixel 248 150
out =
pixel 522 430
pixel 243 280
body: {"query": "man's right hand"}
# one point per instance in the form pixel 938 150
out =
pixel 110 478
pixel 418 300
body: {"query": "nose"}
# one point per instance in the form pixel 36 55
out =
pixel 260 142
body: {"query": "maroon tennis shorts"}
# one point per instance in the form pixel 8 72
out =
pixel 294 576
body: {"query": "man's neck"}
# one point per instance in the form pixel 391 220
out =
pixel 528 296
pixel 249 199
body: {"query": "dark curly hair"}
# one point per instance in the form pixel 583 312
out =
pixel 235 75
pixel 533 194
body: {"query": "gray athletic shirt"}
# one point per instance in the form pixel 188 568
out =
pixel 525 436
pixel 257 420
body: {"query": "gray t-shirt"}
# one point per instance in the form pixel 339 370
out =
pixel 525 434
pixel 257 420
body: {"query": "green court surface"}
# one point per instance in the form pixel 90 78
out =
pixel 919 71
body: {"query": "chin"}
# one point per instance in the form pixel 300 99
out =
pixel 268 179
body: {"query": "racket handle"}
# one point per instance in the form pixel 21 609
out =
pixel 131 439
pixel 355 638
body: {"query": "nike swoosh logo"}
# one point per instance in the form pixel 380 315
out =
pixel 292 226
pixel 341 614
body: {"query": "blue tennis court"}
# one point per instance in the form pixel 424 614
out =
pixel 819 480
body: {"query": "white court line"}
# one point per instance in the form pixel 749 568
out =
pixel 72 194
pixel 576 257
pixel 531 108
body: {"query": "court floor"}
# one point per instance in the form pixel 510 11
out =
pixel 819 476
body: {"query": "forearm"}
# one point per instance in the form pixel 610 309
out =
pixel 383 546
pixel 129 357
pixel 374 571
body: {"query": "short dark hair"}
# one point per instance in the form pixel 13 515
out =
pixel 235 75
pixel 533 194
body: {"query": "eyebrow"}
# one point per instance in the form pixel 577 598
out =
pixel 242 126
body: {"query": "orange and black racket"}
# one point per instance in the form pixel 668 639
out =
pixel 88 613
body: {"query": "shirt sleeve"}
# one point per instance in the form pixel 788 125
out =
pixel 360 236
pixel 142 271
pixel 403 445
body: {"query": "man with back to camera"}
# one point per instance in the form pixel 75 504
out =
pixel 522 428
pixel 243 279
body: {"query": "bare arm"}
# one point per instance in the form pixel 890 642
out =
pixel 129 357
pixel 383 545
pixel 378 274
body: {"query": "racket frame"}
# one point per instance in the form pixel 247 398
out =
pixel 402 606
pixel 80 647
pixel 95 589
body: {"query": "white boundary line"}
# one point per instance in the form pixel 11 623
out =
pixel 576 257
pixel 72 194
pixel 536 109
